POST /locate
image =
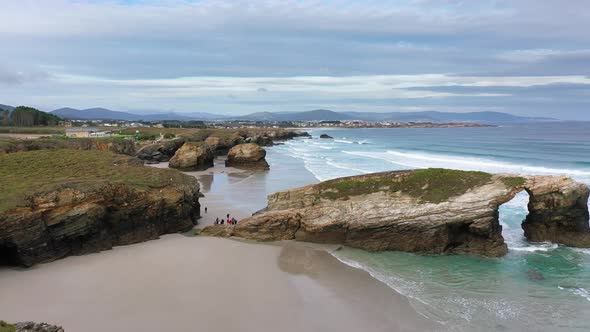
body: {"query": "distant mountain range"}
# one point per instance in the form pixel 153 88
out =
pixel 315 115
pixel 106 114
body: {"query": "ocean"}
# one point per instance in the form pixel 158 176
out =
pixel 536 287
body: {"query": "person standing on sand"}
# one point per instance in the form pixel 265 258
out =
pixel 222 221
pixel 205 209
pixel 228 216
pixel 217 221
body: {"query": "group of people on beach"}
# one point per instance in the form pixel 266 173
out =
pixel 229 221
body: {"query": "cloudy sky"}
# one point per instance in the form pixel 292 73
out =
pixel 526 57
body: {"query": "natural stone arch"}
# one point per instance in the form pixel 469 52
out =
pixel 433 211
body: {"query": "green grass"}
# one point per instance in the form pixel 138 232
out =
pixel 5 327
pixel 434 185
pixel 514 181
pixel 24 173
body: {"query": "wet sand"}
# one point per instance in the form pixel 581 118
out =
pixel 184 283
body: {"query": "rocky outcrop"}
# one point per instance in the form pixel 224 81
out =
pixel 192 157
pixel 260 140
pixel 161 151
pixel 221 145
pixel 325 136
pixel 84 209
pixel 116 145
pixel 248 156
pixel 430 211
pixel 558 212
pixel 37 327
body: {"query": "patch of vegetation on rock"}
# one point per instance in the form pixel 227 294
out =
pixel 514 181
pixel 5 327
pixel 434 185
pixel 22 174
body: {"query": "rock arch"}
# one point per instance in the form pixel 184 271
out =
pixel 425 211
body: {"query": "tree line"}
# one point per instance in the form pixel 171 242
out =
pixel 23 116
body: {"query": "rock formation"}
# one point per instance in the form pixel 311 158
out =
pixel 325 136
pixel 221 145
pixel 433 211
pixel 36 327
pixel 192 157
pixel 248 155
pixel 60 206
pixel 161 151
pixel 557 212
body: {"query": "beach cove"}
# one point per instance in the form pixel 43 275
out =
pixel 185 283
pixel 535 287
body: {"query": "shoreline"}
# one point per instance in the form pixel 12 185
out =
pixel 182 283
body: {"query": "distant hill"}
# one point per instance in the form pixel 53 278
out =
pixel 433 116
pixel 429 116
pixel 6 107
pixel 315 115
pixel 106 114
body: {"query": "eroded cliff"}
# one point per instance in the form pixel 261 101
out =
pixel 64 202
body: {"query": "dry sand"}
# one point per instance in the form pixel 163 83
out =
pixel 182 283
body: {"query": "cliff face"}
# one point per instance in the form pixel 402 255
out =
pixel 99 206
pixel 425 211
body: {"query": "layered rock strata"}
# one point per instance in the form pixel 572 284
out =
pixel 66 209
pixel 432 211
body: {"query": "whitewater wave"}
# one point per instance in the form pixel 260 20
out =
pixel 576 291
pixel 347 167
pixel 426 160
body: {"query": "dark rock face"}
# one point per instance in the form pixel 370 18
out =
pixel 160 152
pixel 260 140
pixel 325 136
pixel 558 212
pixel 79 218
pixel 396 211
pixel 193 157
pixel 37 327
pixel 248 156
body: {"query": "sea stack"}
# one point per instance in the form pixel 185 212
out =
pixel 325 136
pixel 193 157
pixel 431 211
pixel 247 156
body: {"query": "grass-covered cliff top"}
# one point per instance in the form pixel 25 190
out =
pixel 24 173
pixel 434 185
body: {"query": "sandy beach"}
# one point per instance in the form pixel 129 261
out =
pixel 187 283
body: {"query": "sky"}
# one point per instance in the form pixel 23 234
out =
pixel 525 57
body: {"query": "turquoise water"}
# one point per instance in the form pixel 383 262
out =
pixel 536 287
